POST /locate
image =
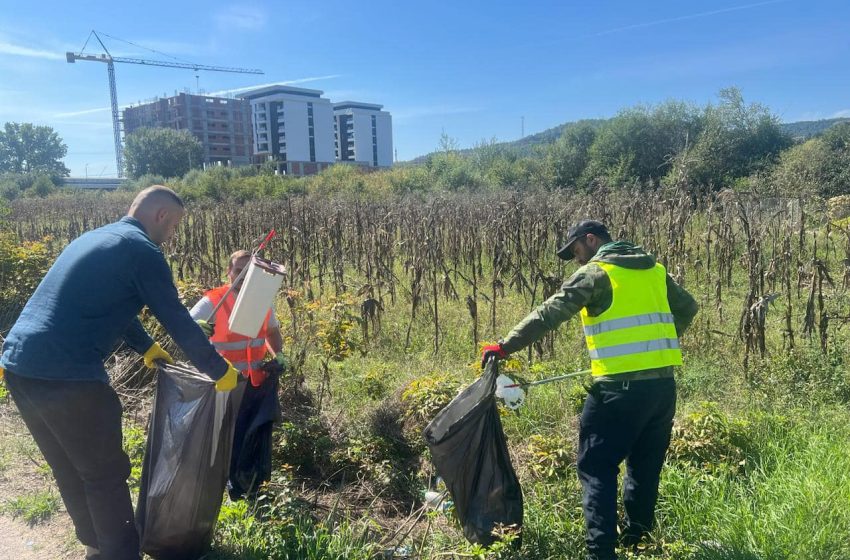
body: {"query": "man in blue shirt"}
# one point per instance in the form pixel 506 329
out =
pixel 54 356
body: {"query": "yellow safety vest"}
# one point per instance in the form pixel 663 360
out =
pixel 637 331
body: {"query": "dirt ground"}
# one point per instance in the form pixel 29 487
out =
pixel 23 471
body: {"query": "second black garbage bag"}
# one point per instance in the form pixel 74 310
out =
pixel 251 459
pixel 470 452
pixel 186 463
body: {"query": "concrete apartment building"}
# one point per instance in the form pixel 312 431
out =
pixel 293 126
pixel 223 126
pixel 364 134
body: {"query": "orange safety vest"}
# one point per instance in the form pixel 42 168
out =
pixel 245 353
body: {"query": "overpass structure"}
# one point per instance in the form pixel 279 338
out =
pixel 92 183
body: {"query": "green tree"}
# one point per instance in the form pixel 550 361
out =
pixel 737 140
pixel 26 148
pixel 819 166
pixel 161 151
pixel 567 157
pixel 641 143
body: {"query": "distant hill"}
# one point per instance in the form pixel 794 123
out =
pixel 800 130
pixel 807 129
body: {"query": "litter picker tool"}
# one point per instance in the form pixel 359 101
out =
pixel 514 395
pixel 260 247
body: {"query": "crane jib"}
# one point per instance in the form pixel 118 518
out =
pixel 72 57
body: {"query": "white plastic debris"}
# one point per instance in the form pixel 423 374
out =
pixel 513 396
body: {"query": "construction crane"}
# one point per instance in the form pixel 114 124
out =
pixel 113 94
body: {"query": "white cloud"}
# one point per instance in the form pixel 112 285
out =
pixel 242 17
pixel 20 50
pixel 840 114
pixel 80 113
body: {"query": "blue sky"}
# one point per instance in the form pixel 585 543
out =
pixel 469 68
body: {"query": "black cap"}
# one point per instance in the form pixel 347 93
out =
pixel 578 231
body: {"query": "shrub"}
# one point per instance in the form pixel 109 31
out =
pixel 306 445
pixel 22 266
pixel 553 455
pixel 709 440
pixel 135 442
pixel 422 398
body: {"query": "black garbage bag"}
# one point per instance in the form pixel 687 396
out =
pixel 251 459
pixel 186 463
pixel 470 453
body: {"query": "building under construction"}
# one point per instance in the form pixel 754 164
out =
pixel 222 126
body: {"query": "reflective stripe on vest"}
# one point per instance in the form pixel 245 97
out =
pixel 637 332
pixel 245 353
pixel 240 344
pixel 634 348
pixel 626 322
pixel 243 366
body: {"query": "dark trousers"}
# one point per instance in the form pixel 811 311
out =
pixel 77 426
pixel 631 422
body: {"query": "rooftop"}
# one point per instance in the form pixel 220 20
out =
pixel 356 105
pixel 278 90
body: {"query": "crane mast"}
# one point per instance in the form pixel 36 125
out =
pixel 113 92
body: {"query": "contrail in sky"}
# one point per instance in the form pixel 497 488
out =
pixel 687 17
pixel 18 50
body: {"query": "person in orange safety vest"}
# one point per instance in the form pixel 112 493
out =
pixel 245 353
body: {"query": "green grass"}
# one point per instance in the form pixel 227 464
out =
pixel 247 534
pixel 135 440
pixel 774 486
pixel 791 503
pixel 33 508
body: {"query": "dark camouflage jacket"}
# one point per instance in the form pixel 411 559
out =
pixel 590 287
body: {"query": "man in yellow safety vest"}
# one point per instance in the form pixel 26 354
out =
pixel 633 314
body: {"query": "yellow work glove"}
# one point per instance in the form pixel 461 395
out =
pixel 227 381
pixel 206 327
pixel 2 373
pixel 156 353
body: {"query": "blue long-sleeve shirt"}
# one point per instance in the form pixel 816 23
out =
pixel 90 300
